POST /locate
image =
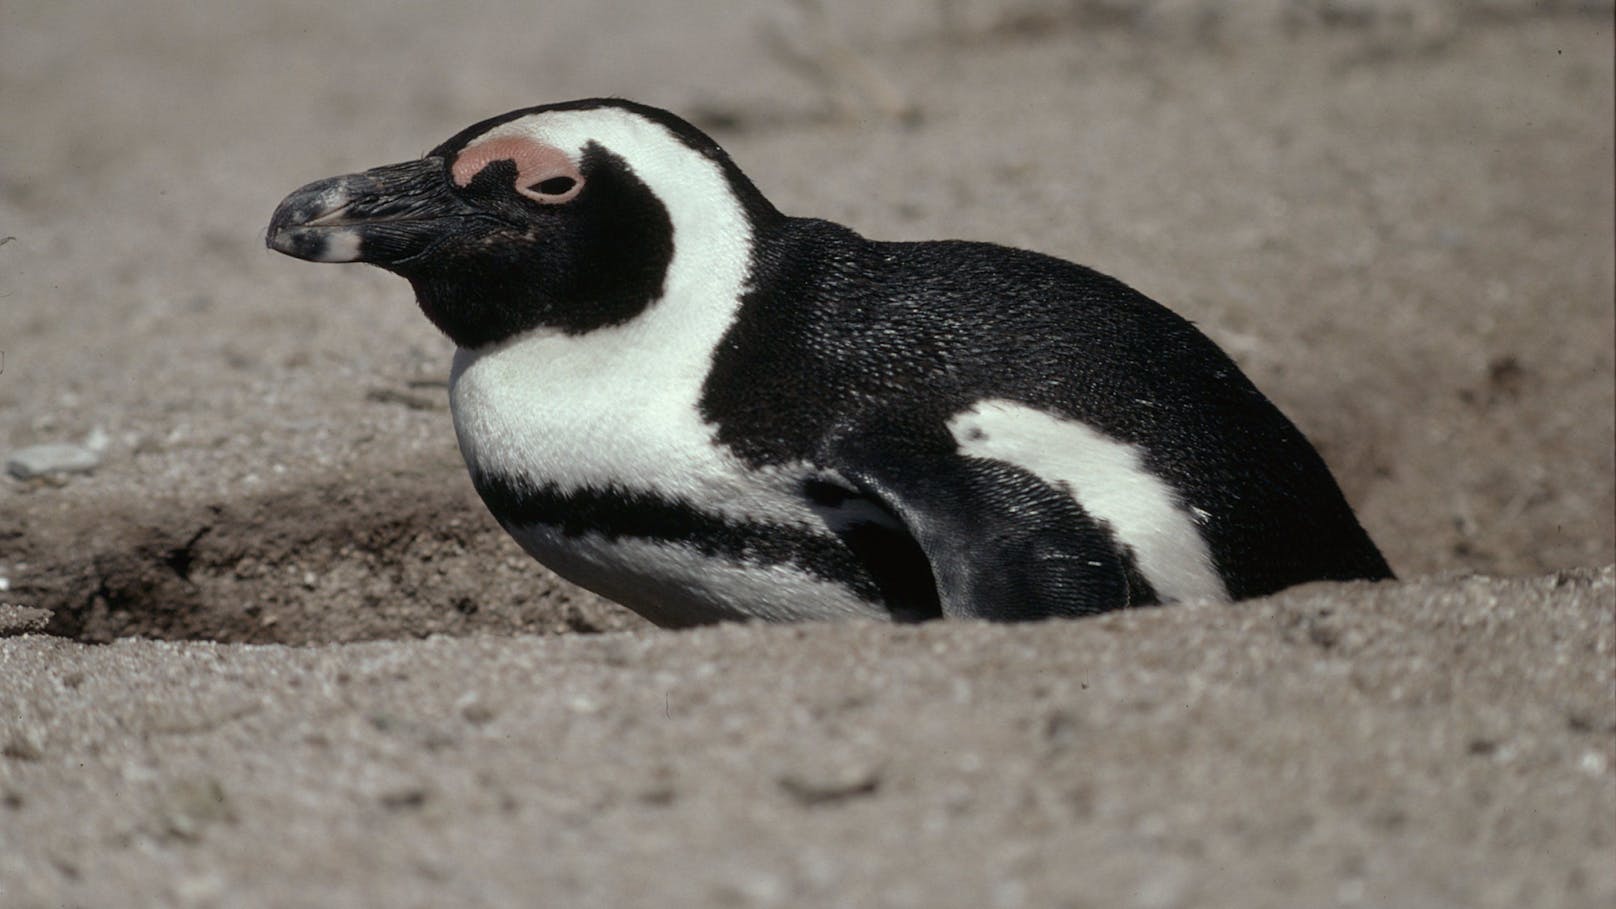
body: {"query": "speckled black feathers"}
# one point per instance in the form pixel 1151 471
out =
pixel 894 337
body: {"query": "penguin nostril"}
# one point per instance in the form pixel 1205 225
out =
pixel 554 186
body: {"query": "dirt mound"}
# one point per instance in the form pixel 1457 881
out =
pixel 1396 216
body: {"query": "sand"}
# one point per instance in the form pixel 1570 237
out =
pixel 271 651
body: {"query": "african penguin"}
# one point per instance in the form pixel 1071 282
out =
pixel 674 395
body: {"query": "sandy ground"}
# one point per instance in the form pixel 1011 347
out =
pixel 1396 216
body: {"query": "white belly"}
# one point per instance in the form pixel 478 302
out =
pixel 540 412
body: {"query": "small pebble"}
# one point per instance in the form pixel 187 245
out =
pixel 19 619
pixel 56 458
pixel 830 785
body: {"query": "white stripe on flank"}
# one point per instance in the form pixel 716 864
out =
pixel 1109 480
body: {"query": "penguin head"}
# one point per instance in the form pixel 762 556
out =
pixel 564 217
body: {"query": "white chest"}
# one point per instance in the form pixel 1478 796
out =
pixel 578 416
pixel 599 412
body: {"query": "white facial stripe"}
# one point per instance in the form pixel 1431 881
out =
pixel 618 406
pixel 1108 479
pixel 672 584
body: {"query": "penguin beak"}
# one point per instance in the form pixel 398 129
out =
pixel 383 216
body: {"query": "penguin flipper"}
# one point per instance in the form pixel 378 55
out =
pixel 1002 544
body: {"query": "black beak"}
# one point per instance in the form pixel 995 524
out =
pixel 383 216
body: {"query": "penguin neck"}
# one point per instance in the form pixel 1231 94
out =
pixel 618 407
pixel 701 292
pixel 664 352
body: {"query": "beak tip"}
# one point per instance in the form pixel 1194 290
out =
pixel 292 232
pixel 339 244
pixel 379 216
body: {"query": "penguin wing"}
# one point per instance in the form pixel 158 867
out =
pixel 1002 544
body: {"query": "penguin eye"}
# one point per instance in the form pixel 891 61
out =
pixel 554 186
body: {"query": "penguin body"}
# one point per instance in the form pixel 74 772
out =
pixel 672 394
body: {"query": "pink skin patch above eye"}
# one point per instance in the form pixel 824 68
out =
pixel 535 164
